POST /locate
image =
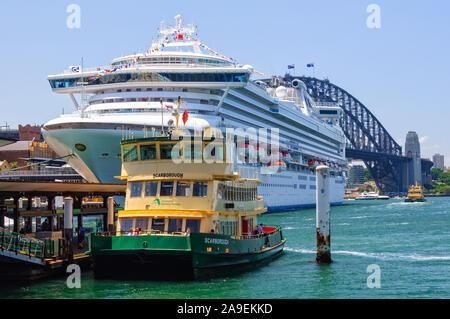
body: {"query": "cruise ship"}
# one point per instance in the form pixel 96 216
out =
pixel 137 94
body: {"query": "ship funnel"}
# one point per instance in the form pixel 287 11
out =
pixel 296 83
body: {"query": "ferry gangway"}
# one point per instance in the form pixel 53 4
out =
pixel 21 247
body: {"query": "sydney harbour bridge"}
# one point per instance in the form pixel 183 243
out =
pixel 367 139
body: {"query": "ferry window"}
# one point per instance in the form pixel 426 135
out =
pixel 151 189
pixel 193 225
pixel 175 225
pixel 192 152
pixel 214 152
pixel 130 153
pixel 200 189
pixel 126 224
pixel 142 223
pixel 136 189
pixel 183 189
pixel 165 151
pixel 148 152
pixel 220 191
pixel 158 224
pixel 166 189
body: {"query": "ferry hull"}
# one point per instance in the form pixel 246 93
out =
pixel 168 257
pixel 412 200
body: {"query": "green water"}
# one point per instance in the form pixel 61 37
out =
pixel 410 242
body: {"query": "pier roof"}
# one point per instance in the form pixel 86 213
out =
pixel 11 188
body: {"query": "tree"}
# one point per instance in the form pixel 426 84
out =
pixel 367 175
pixel 436 173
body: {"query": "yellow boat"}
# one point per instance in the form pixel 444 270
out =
pixel 186 220
pixel 415 194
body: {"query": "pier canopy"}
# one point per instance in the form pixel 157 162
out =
pixel 12 188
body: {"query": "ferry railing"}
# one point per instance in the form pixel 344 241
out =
pixel 21 244
pixel 260 235
pixel 139 233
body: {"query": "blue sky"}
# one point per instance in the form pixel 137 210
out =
pixel 400 71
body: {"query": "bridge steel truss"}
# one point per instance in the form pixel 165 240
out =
pixel 368 140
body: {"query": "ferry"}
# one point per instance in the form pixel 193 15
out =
pixel 185 221
pixel 371 196
pixel 415 194
pixel 129 95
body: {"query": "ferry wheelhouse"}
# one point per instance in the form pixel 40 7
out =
pixel 194 219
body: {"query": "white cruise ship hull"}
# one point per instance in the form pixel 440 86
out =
pixel 101 162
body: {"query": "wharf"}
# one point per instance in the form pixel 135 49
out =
pixel 32 250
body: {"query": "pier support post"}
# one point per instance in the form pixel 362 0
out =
pixel 68 225
pixel 323 215
pixel 110 205
pixel 16 215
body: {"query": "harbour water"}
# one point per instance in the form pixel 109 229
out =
pixel 410 242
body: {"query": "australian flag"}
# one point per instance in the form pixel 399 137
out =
pixel 310 65
pixel 291 66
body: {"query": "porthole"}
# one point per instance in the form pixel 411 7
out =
pixel 80 147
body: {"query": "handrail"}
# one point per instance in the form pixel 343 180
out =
pixel 21 244
pixel 139 233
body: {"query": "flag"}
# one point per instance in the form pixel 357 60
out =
pixel 185 116
pixel 310 65
pixel 291 66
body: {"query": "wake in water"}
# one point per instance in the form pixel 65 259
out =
pixel 381 256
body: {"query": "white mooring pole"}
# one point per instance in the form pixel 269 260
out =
pixel 68 225
pixel 323 215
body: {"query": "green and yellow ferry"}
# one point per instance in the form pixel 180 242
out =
pixel 185 220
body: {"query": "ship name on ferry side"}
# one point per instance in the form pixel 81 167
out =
pixel 216 241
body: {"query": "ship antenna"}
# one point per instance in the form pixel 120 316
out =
pixel 83 89
pixel 177 114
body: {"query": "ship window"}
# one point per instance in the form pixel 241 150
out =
pixel 214 152
pixel 126 224
pixel 141 223
pixel 175 225
pixel 136 189
pixel 193 225
pixel 165 151
pixel 166 189
pixel 150 189
pixel 130 153
pixel 183 189
pixel 200 189
pixel 220 191
pixel 148 152
pixel 158 224
pixel 192 152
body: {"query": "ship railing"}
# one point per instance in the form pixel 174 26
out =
pixel 272 231
pixel 140 233
pixel 21 244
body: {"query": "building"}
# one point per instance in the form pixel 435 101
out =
pixel 414 167
pixel 4 166
pixel 438 161
pixel 355 175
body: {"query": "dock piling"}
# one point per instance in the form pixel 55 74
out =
pixel 323 215
pixel 110 203
pixel 68 225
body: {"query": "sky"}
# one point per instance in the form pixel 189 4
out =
pixel 400 71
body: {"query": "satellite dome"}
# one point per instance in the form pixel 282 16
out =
pixel 280 91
